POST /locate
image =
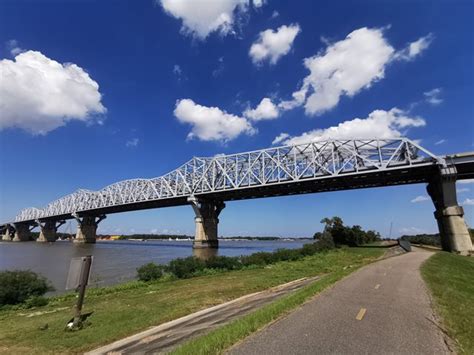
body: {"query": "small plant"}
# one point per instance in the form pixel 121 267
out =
pixel 18 286
pixel 150 272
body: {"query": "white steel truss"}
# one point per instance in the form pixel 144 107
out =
pixel 287 164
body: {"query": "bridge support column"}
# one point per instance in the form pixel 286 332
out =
pixel 449 215
pixel 7 235
pixel 48 230
pixel 22 232
pixel 87 228
pixel 207 213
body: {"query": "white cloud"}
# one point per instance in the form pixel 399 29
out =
pixel 462 190
pixel 468 202
pixel 211 123
pixel 420 198
pixel 265 110
pixel 202 17
pixel 272 45
pixel 466 181
pixel 380 123
pixel 414 49
pixel 346 67
pixel 14 47
pixel 275 14
pixel 280 138
pixel 441 141
pixel 39 94
pixel 132 142
pixel 432 96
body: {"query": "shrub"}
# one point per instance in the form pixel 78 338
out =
pixel 150 272
pixel 183 268
pixel 36 301
pixel 260 258
pixel 286 255
pixel 223 262
pixel 17 286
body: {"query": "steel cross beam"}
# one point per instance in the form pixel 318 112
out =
pixel 260 173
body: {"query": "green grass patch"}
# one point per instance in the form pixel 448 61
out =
pixel 126 309
pixel 451 281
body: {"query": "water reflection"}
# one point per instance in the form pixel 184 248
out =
pixel 205 253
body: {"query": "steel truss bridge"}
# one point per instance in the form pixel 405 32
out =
pixel 305 168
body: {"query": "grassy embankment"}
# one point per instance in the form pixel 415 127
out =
pixel 451 281
pixel 126 309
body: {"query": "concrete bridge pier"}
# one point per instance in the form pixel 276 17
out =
pixel 207 213
pixel 48 230
pixel 449 215
pixel 7 235
pixel 87 228
pixel 22 232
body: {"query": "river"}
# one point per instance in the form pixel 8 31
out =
pixel 114 261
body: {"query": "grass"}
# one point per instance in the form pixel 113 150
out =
pixel 126 309
pixel 451 281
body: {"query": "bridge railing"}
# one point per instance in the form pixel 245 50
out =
pixel 285 164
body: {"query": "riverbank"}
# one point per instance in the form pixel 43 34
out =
pixel 126 309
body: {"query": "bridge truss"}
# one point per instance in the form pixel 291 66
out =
pixel 217 175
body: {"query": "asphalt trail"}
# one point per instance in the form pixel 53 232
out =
pixel 383 308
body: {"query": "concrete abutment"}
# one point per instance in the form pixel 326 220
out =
pixel 206 219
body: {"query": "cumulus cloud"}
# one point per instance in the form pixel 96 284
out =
pixel 280 138
pixel 380 123
pixel 414 49
pixel 347 67
pixel 266 110
pixel 344 68
pixel 202 17
pixel 421 198
pixel 211 123
pixel 468 202
pixel 272 45
pixel 433 96
pixel 39 94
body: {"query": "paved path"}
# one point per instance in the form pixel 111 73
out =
pixel 382 308
pixel 165 337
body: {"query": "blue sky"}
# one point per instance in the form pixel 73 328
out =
pixel 93 92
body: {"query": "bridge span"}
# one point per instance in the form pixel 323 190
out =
pixel 206 183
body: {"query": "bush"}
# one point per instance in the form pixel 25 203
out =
pixel 17 286
pixel 150 272
pixel 223 262
pixel 286 255
pixel 36 301
pixel 183 268
pixel 260 258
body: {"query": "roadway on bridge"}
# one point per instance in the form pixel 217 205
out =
pixel 382 308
